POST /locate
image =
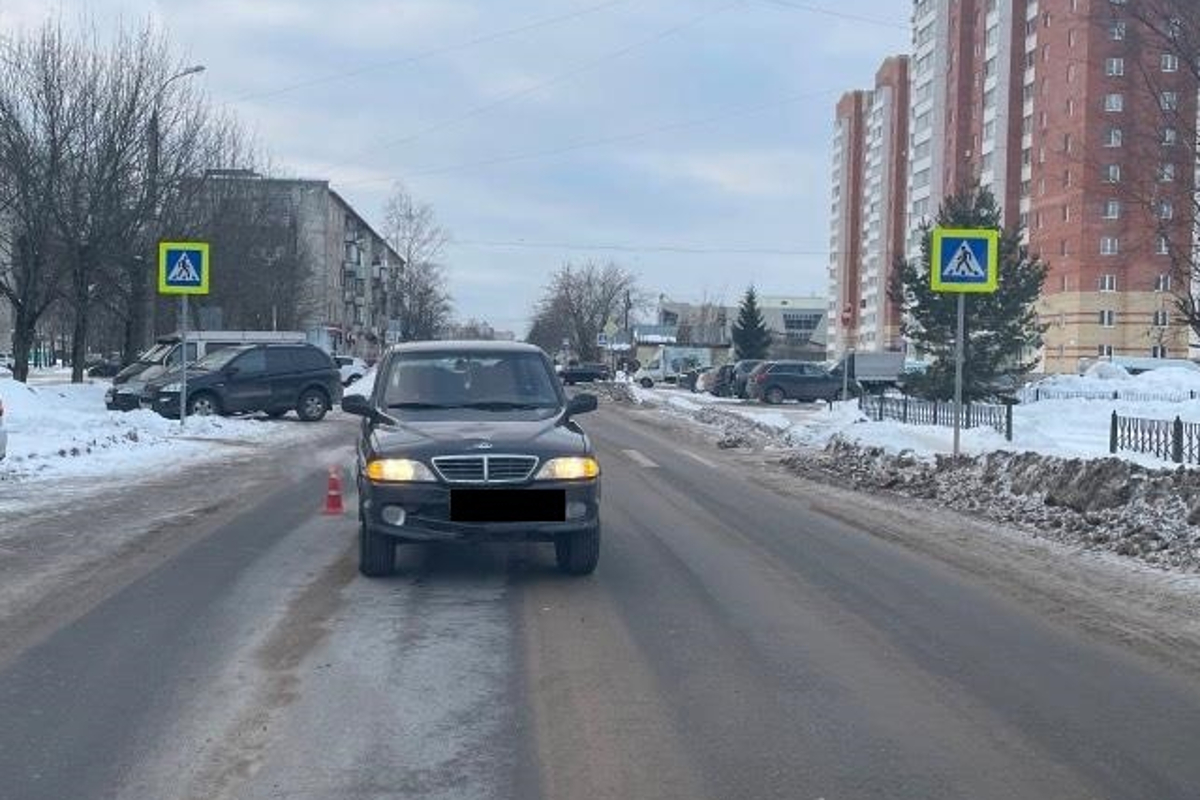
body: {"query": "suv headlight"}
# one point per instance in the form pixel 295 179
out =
pixel 172 388
pixel 398 470
pixel 569 468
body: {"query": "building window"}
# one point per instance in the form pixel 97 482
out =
pixel 1070 39
pixel 1116 30
pixel 1108 318
pixel 1158 351
pixel 1112 209
pixel 1162 246
pixel 1114 101
pixel 989 129
pixel 1109 245
pixel 1166 173
pixel 1169 101
pixel 1170 62
pixel 1114 138
pixel 1166 209
pixel 1112 173
pixel 1070 109
pixel 1067 178
pixel 1113 68
pixel 1104 350
pixel 1162 283
pixel 1066 213
pixel 1160 318
pixel 989 98
pixel 1108 283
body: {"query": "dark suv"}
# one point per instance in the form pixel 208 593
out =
pixel 474 441
pixel 271 378
pixel 584 373
pixel 776 381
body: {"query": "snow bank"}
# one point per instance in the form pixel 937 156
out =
pixel 65 430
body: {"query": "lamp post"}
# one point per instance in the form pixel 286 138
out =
pixel 152 136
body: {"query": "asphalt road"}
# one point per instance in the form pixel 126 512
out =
pixel 736 642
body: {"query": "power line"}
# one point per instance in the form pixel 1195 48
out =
pixel 796 6
pixel 561 77
pixel 736 112
pixel 427 54
pixel 634 248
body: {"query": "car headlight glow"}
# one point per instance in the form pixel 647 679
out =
pixel 569 468
pixel 398 470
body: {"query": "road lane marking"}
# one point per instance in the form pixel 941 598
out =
pixel 640 459
pixel 701 459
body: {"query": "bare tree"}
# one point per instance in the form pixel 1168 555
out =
pixel 420 298
pixel 585 298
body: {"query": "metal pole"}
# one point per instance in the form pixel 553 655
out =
pixel 846 374
pixel 959 355
pixel 183 330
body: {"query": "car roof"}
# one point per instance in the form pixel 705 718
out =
pixel 465 345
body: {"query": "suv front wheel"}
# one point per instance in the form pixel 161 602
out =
pixel 312 405
pixel 203 404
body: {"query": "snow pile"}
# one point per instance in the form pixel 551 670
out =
pixel 1109 504
pixel 65 430
pixel 1103 379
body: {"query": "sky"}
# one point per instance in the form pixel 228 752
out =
pixel 687 140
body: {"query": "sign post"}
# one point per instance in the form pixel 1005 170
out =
pixel 183 270
pixel 964 261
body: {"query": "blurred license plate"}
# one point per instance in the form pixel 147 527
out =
pixel 508 505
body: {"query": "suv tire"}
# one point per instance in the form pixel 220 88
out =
pixel 774 395
pixel 647 383
pixel 376 554
pixel 578 553
pixel 312 405
pixel 203 404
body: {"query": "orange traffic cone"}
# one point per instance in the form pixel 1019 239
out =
pixel 333 496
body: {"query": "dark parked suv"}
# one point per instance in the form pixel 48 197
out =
pixel 271 378
pixel 474 441
pixel 776 381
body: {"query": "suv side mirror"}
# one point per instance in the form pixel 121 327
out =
pixel 358 405
pixel 581 404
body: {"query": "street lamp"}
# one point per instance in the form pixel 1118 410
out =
pixel 152 136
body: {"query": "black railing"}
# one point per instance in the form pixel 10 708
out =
pixel 1033 394
pixel 914 411
pixel 1168 439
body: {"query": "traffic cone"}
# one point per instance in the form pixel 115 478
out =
pixel 333 495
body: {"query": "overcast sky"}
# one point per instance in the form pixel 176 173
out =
pixel 669 129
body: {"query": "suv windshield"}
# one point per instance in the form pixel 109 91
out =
pixel 216 360
pixel 492 381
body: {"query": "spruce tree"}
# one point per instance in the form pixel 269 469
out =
pixel 1002 328
pixel 751 339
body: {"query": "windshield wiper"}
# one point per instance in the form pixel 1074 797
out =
pixel 419 406
pixel 503 405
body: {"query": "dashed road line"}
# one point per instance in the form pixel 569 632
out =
pixel 640 459
pixel 701 459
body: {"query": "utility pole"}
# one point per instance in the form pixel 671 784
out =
pixel 152 166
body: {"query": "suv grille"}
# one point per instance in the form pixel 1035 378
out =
pixel 484 469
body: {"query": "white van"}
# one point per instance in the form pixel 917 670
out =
pixel 127 385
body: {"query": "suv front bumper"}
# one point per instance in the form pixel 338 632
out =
pixel 427 512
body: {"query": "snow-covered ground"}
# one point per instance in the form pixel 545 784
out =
pixel 1067 428
pixel 64 431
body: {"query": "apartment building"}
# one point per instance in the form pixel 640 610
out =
pixel 868 223
pixel 1061 108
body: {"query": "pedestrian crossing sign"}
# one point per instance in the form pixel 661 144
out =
pixel 183 268
pixel 965 259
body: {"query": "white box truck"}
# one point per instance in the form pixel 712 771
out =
pixel 670 362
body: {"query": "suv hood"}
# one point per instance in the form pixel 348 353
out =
pixel 427 438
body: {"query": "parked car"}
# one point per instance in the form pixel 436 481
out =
pixel 474 441
pixel 777 381
pixel 104 367
pixel 584 373
pixel 741 372
pixel 690 378
pixel 271 378
pixel 719 382
pixel 129 384
pixel 3 432
pixel 351 369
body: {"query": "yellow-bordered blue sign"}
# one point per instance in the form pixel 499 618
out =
pixel 965 259
pixel 183 268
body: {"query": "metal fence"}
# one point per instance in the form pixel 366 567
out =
pixel 914 411
pixel 1032 394
pixel 1173 440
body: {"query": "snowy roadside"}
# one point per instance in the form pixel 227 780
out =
pixel 1055 481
